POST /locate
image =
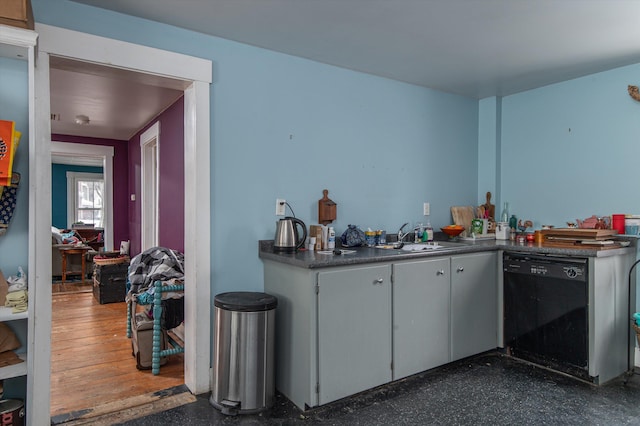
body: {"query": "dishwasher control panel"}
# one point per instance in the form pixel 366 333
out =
pixel 542 266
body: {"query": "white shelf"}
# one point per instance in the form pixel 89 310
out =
pixel 15 42
pixel 15 370
pixel 7 315
pixel 21 44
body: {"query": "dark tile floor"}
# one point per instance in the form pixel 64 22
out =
pixel 490 389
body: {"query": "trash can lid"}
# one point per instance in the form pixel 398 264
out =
pixel 245 301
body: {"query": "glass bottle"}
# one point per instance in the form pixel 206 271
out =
pixel 504 217
pixel 513 222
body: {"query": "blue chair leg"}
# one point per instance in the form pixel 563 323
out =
pixel 157 329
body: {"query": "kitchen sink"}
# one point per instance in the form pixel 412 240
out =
pixel 421 247
pixel 436 245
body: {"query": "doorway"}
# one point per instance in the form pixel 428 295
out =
pixel 150 171
pixel 88 335
pixel 195 75
pixel 91 155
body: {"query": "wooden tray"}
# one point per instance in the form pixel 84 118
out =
pixel 580 233
pixel 579 245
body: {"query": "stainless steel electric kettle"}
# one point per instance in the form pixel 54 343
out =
pixel 287 238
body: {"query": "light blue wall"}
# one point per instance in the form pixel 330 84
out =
pixel 285 127
pixel 571 150
pixel 14 107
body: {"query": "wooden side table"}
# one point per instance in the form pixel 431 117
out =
pixel 79 250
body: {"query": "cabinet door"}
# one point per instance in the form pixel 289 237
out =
pixel 420 316
pixel 474 305
pixel 354 330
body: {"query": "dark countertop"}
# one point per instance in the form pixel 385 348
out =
pixel 363 255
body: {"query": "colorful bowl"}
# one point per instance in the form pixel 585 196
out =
pixel 453 230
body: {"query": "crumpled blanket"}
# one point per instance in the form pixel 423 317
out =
pixel 156 263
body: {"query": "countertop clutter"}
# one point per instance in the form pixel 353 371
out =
pixel 364 255
pixel 351 320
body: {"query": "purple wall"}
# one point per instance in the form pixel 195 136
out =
pixel 171 197
pixel 120 182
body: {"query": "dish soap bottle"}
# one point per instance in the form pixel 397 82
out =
pixel 428 232
pixel 331 238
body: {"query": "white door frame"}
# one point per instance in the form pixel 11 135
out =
pixel 106 154
pixel 149 186
pixel 198 73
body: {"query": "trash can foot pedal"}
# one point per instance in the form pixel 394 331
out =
pixel 229 408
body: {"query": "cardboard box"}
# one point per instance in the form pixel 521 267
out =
pixel 17 13
pixel 316 231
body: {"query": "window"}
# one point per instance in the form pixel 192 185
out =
pixel 85 198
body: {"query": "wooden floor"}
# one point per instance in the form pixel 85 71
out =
pixel 91 362
pixel 71 287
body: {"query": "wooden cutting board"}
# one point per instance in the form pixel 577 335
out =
pixel 463 215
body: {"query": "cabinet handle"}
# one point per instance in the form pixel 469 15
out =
pixel 460 269
pixel 440 272
pixel 378 281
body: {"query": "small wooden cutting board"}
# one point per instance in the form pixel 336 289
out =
pixel 463 215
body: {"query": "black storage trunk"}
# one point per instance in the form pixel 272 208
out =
pixel 110 282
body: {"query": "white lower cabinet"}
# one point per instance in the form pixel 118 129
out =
pixel 343 330
pixel 420 316
pixel 354 330
pixel 444 309
pixel 474 304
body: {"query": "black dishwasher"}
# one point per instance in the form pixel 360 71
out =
pixel 546 311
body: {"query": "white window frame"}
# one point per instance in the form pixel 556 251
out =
pixel 105 153
pixel 72 196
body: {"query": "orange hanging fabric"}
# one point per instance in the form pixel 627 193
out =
pixel 6 150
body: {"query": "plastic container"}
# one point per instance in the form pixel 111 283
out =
pixel 331 238
pixel 428 232
pixel 632 225
pixel 370 238
pixel 618 223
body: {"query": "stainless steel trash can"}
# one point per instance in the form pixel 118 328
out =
pixel 243 352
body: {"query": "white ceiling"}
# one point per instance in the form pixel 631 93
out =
pixel 118 103
pixel 475 48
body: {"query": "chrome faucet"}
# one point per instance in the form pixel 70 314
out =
pixel 402 235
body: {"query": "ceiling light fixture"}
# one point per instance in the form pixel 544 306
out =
pixel 82 119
